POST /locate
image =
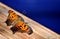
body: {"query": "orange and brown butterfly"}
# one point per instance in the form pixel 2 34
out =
pixel 17 23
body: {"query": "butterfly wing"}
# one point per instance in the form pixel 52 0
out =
pixel 18 23
pixel 22 27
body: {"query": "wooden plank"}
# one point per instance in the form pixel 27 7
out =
pixel 39 31
pixel 7 33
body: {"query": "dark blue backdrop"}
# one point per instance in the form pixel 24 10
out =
pixel 46 12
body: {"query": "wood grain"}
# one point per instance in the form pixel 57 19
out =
pixel 39 31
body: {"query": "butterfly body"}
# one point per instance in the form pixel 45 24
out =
pixel 17 23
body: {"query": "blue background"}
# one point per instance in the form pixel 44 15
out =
pixel 46 12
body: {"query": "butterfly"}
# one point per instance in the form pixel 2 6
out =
pixel 18 23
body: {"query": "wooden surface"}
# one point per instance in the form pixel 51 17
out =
pixel 39 31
